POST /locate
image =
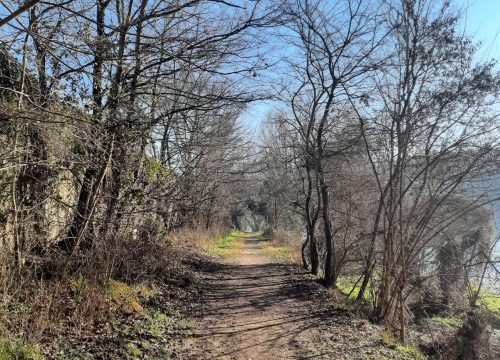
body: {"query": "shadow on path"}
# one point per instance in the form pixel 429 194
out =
pixel 254 309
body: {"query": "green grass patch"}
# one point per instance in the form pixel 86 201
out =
pixel 144 338
pixel 157 323
pixel 410 352
pixel 452 321
pixel 490 302
pixel 346 283
pixel 16 350
pixel 224 242
pixel 153 324
pixel 388 340
pixel 228 246
pixel 314 277
pixel 243 234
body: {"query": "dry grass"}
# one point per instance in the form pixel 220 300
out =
pixel 200 239
pixel 283 246
pixel 40 299
pixel 215 241
pixel 54 295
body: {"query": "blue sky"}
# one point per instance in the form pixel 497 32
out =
pixel 482 22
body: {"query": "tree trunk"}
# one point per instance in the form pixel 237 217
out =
pixel 313 253
pixel 330 268
pixel 370 261
pixel 303 252
pixel 311 225
pixel 84 198
pixel 82 209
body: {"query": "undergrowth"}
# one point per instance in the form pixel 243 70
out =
pixel 114 297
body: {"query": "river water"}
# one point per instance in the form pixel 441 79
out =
pixel 491 187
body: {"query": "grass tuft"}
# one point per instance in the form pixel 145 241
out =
pixel 124 297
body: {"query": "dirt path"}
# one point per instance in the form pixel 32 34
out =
pixel 250 311
pixel 257 309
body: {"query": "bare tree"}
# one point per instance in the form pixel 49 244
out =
pixel 431 128
pixel 336 48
